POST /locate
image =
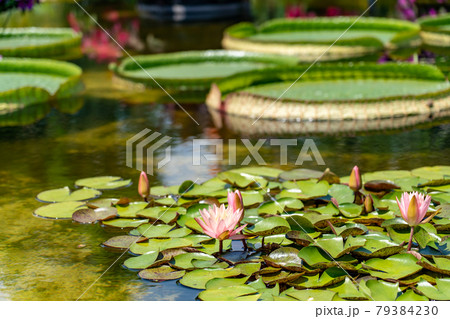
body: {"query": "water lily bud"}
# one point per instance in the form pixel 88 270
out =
pixel 368 204
pixel 236 203
pixel 143 186
pixel 355 179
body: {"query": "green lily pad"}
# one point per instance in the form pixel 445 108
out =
pixel 439 292
pixel 410 295
pixel 377 245
pixel 125 222
pixel 407 183
pixel 380 186
pixel 270 226
pixel 394 267
pixel 229 293
pixel 280 277
pixel 259 171
pixel 159 245
pixel 62 210
pixel 432 172
pixel 151 230
pixel 186 261
pixel 310 294
pixel 300 174
pixel 280 206
pixel 242 180
pixel 329 277
pixel 388 175
pixel 88 216
pixel 130 210
pixel 342 193
pixel 380 290
pixel 306 190
pixel 103 182
pixel 251 198
pixel 166 215
pixel 279 239
pixel 162 273
pixel 228 282
pixel 349 290
pixel 350 210
pixel 198 278
pixel 350 229
pixel 65 195
pixel 142 261
pixel 316 257
pixel 425 234
pixel 441 265
pixel 163 190
pixel 286 257
pixel 329 209
pixel 299 237
pixel 335 245
pixel 122 242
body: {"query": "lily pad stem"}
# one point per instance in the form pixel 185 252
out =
pixel 410 238
pixel 262 243
pixel 220 247
pixel 332 228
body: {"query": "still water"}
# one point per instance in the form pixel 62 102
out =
pixel 39 258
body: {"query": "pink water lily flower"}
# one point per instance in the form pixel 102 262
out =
pixel 143 186
pixel 220 222
pixel 414 207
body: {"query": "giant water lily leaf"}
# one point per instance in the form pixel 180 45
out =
pixel 270 226
pixel 186 261
pixel 62 210
pixel 349 290
pixel 441 265
pixel 342 193
pixel 350 229
pixel 379 290
pixel 159 245
pixel 316 257
pixel 329 277
pixel 286 257
pixel 167 215
pixel 310 294
pixel 125 222
pixel 162 273
pixel 142 261
pixel 229 293
pixel 394 267
pixel 88 216
pixel 280 206
pixel 242 180
pixel 103 182
pixel 336 247
pixel 350 210
pixel 199 277
pixel 65 195
pixel 131 209
pixel 410 295
pixel 122 242
pixel 377 245
pixel 432 172
pixel 300 174
pixel 439 292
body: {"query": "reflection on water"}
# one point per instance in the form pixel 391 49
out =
pixel 39 258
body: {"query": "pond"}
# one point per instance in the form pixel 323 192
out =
pixel 59 260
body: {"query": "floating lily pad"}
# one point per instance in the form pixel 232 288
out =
pixel 329 277
pixel 342 193
pixel 229 293
pixel 394 267
pixel 242 180
pixel 350 229
pixel 199 277
pixel 286 257
pixel 162 231
pixel 300 174
pixel 441 265
pixel 410 295
pixel 280 277
pixel 299 237
pixel 350 210
pixel 310 294
pixel 377 246
pixel 380 290
pixel 62 210
pixel 349 290
pixel 336 247
pixel 270 226
pixel 439 292
pixel 65 195
pixel 316 257
pixel 142 261
pixel 167 215
pixel 280 206
pixel 125 222
pixel 187 261
pixel 162 273
pixel 259 171
pixel 131 209
pixel 432 172
pixel 159 245
pixel 88 216
pixel 380 186
pixel 103 182
pixel 122 242
pixel 306 190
